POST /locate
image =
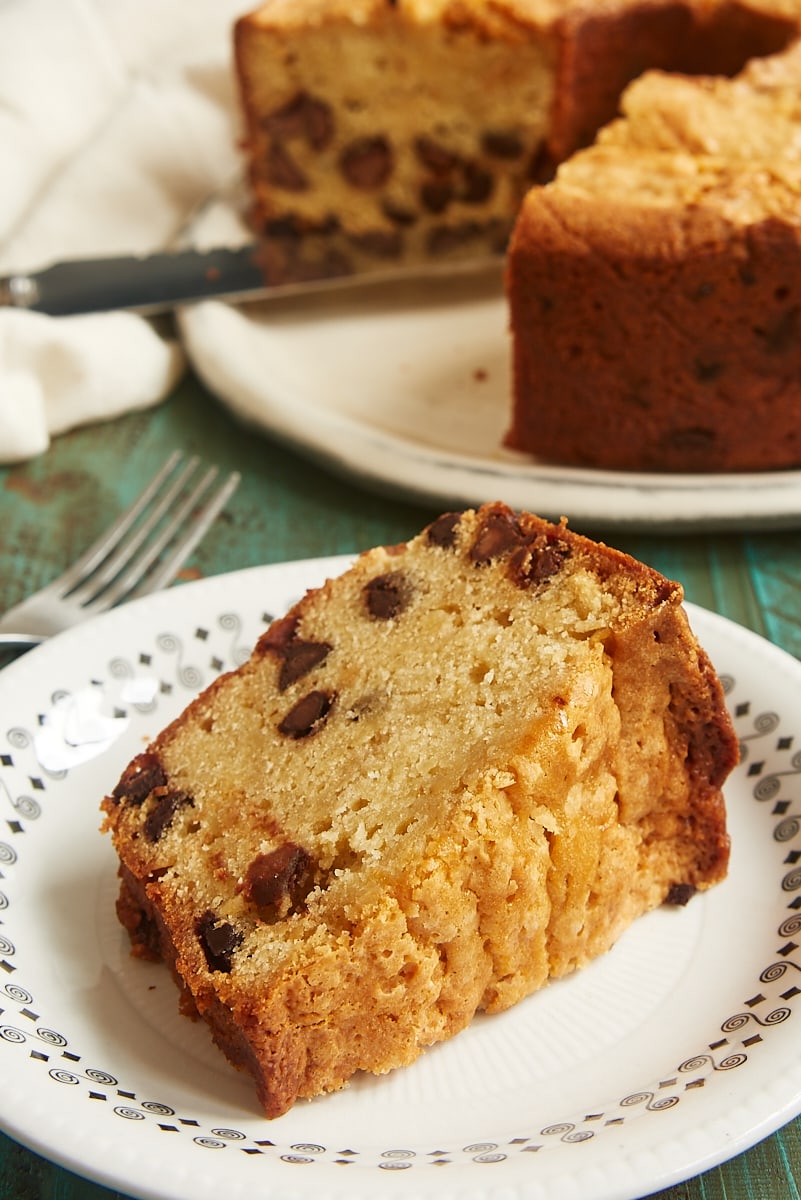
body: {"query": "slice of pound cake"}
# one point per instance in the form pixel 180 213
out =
pixel 458 770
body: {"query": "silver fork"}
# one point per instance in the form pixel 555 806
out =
pixel 143 550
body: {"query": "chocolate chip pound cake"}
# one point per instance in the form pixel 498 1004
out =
pixel 653 285
pixel 455 772
pixel 394 131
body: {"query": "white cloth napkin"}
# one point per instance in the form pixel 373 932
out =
pixel 117 119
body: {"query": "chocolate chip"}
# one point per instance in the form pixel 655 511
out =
pixel 782 334
pixel 477 186
pixel 444 239
pixel 502 143
pixel 293 258
pixel 680 893
pixel 387 595
pixel 286 229
pixel 283 171
pixel 435 156
pixel 286 121
pixel 436 195
pixel 147 935
pixel 546 561
pixel 289 263
pixel 367 163
pixel 299 658
pixel 398 213
pixel 307 715
pixel 498 534
pixel 279 881
pixel 303 116
pixel 692 440
pixel 219 940
pixel 442 532
pixel 319 124
pixel 538 560
pixel 379 243
pixel 279 635
pixel 708 372
pixel 160 817
pixel 140 778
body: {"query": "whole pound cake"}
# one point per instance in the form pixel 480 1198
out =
pixel 458 770
pixel 398 130
pixel 653 285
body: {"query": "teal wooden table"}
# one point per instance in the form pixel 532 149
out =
pixel 286 509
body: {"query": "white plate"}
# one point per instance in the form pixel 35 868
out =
pixel 675 1051
pixel 406 388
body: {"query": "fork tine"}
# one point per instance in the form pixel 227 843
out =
pixel 141 551
pixel 192 535
pixel 137 573
pixel 121 551
pixel 94 555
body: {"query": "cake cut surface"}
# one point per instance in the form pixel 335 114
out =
pixel 392 133
pixel 407 131
pixel 457 771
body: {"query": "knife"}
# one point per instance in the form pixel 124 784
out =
pixel 150 284
pixel 160 282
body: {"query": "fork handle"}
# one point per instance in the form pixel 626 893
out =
pixel 22 641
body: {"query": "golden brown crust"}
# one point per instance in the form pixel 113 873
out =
pixel 460 769
pixel 651 283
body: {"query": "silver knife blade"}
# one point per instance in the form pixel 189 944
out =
pixel 161 282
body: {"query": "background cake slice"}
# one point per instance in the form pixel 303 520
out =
pixel 394 131
pixel 653 285
pixel 458 770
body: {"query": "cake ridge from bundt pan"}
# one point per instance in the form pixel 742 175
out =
pixel 456 771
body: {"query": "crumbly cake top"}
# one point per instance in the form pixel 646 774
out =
pixel 288 14
pixel 493 15
pixel 755 117
pixel 690 143
pixel 703 193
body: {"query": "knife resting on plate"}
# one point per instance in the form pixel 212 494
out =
pixel 148 284
pixel 161 282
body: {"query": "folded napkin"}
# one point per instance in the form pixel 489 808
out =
pixel 117 120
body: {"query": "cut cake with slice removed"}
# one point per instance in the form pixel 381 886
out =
pixel 392 132
pixel 458 770
pixel 652 285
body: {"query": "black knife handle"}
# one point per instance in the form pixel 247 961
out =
pixel 149 284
